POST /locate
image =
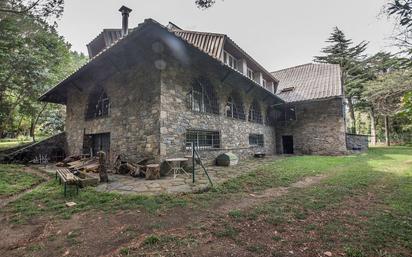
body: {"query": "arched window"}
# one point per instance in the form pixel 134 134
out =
pixel 255 114
pixel 202 97
pixel 98 105
pixel 234 107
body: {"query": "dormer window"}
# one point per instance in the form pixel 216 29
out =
pixel 250 74
pixel 230 60
pixel 287 89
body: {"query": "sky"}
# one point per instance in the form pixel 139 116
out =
pixel 276 33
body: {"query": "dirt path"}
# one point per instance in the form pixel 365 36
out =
pixel 106 234
pixel 252 200
pixel 7 200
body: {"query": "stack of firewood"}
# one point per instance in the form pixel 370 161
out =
pixel 136 169
pixel 80 163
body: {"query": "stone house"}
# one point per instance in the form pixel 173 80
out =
pixel 155 90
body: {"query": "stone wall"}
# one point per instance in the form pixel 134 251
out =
pixel 356 142
pixel 54 148
pixel 133 121
pixel 319 128
pixel 176 117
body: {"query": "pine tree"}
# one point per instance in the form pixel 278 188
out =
pixel 351 60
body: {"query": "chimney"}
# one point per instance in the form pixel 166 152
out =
pixel 125 19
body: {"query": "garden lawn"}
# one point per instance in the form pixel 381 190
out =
pixel 13 179
pixel 361 206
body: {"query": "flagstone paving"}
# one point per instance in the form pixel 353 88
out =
pixel 126 184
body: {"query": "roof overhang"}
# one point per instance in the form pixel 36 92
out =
pixel 128 50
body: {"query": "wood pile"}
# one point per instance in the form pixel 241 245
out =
pixel 80 163
pixel 139 168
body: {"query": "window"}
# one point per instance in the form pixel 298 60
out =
pixel 99 105
pixel 93 143
pixel 230 60
pixel 203 139
pixel 250 74
pixel 202 98
pixel 234 107
pixel 256 140
pixel 287 89
pixel 255 115
pixel 264 83
pixel 270 116
pixel 288 113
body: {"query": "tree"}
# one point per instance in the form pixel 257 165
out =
pixel 38 8
pixel 204 4
pixel 33 58
pixel 351 60
pixel 401 10
pixel 378 65
pixel 387 94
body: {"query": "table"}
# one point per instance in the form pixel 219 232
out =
pixel 175 165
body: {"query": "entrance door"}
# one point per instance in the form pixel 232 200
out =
pixel 287 142
pixel 93 143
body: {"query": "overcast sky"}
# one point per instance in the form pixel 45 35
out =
pixel 277 33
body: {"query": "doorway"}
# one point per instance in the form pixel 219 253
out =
pixel 287 143
pixel 93 143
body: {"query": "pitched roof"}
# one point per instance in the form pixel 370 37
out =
pixel 68 81
pixel 213 44
pixel 210 43
pixel 309 82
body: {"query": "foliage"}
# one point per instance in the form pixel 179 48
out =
pixel 204 4
pixel 387 91
pixel 38 8
pixel 33 59
pixel 401 10
pixel 352 62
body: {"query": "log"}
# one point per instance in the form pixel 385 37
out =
pixel 102 167
pixel 152 171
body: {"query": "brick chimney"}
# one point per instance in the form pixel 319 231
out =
pixel 125 19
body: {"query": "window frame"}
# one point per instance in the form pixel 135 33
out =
pixel 255 113
pixel 98 105
pixel 256 140
pixel 204 100
pixel 205 139
pixel 236 109
pixel 250 74
pixel 230 60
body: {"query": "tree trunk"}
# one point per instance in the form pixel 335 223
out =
pixel 373 126
pixel 352 128
pixel 31 132
pixel 388 143
pixel 102 167
pixel 34 122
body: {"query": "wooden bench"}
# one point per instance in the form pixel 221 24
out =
pixel 67 178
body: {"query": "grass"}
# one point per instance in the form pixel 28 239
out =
pixel 11 143
pixel 377 225
pixel 13 180
pixel 366 196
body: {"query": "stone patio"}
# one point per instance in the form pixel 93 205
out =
pixel 181 184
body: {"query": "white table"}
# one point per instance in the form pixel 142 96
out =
pixel 175 166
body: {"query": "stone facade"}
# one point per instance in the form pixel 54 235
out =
pixel 54 148
pixel 133 121
pixel 176 117
pixel 355 142
pixel 319 128
pixel 149 115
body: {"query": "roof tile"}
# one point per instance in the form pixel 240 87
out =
pixel 310 81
